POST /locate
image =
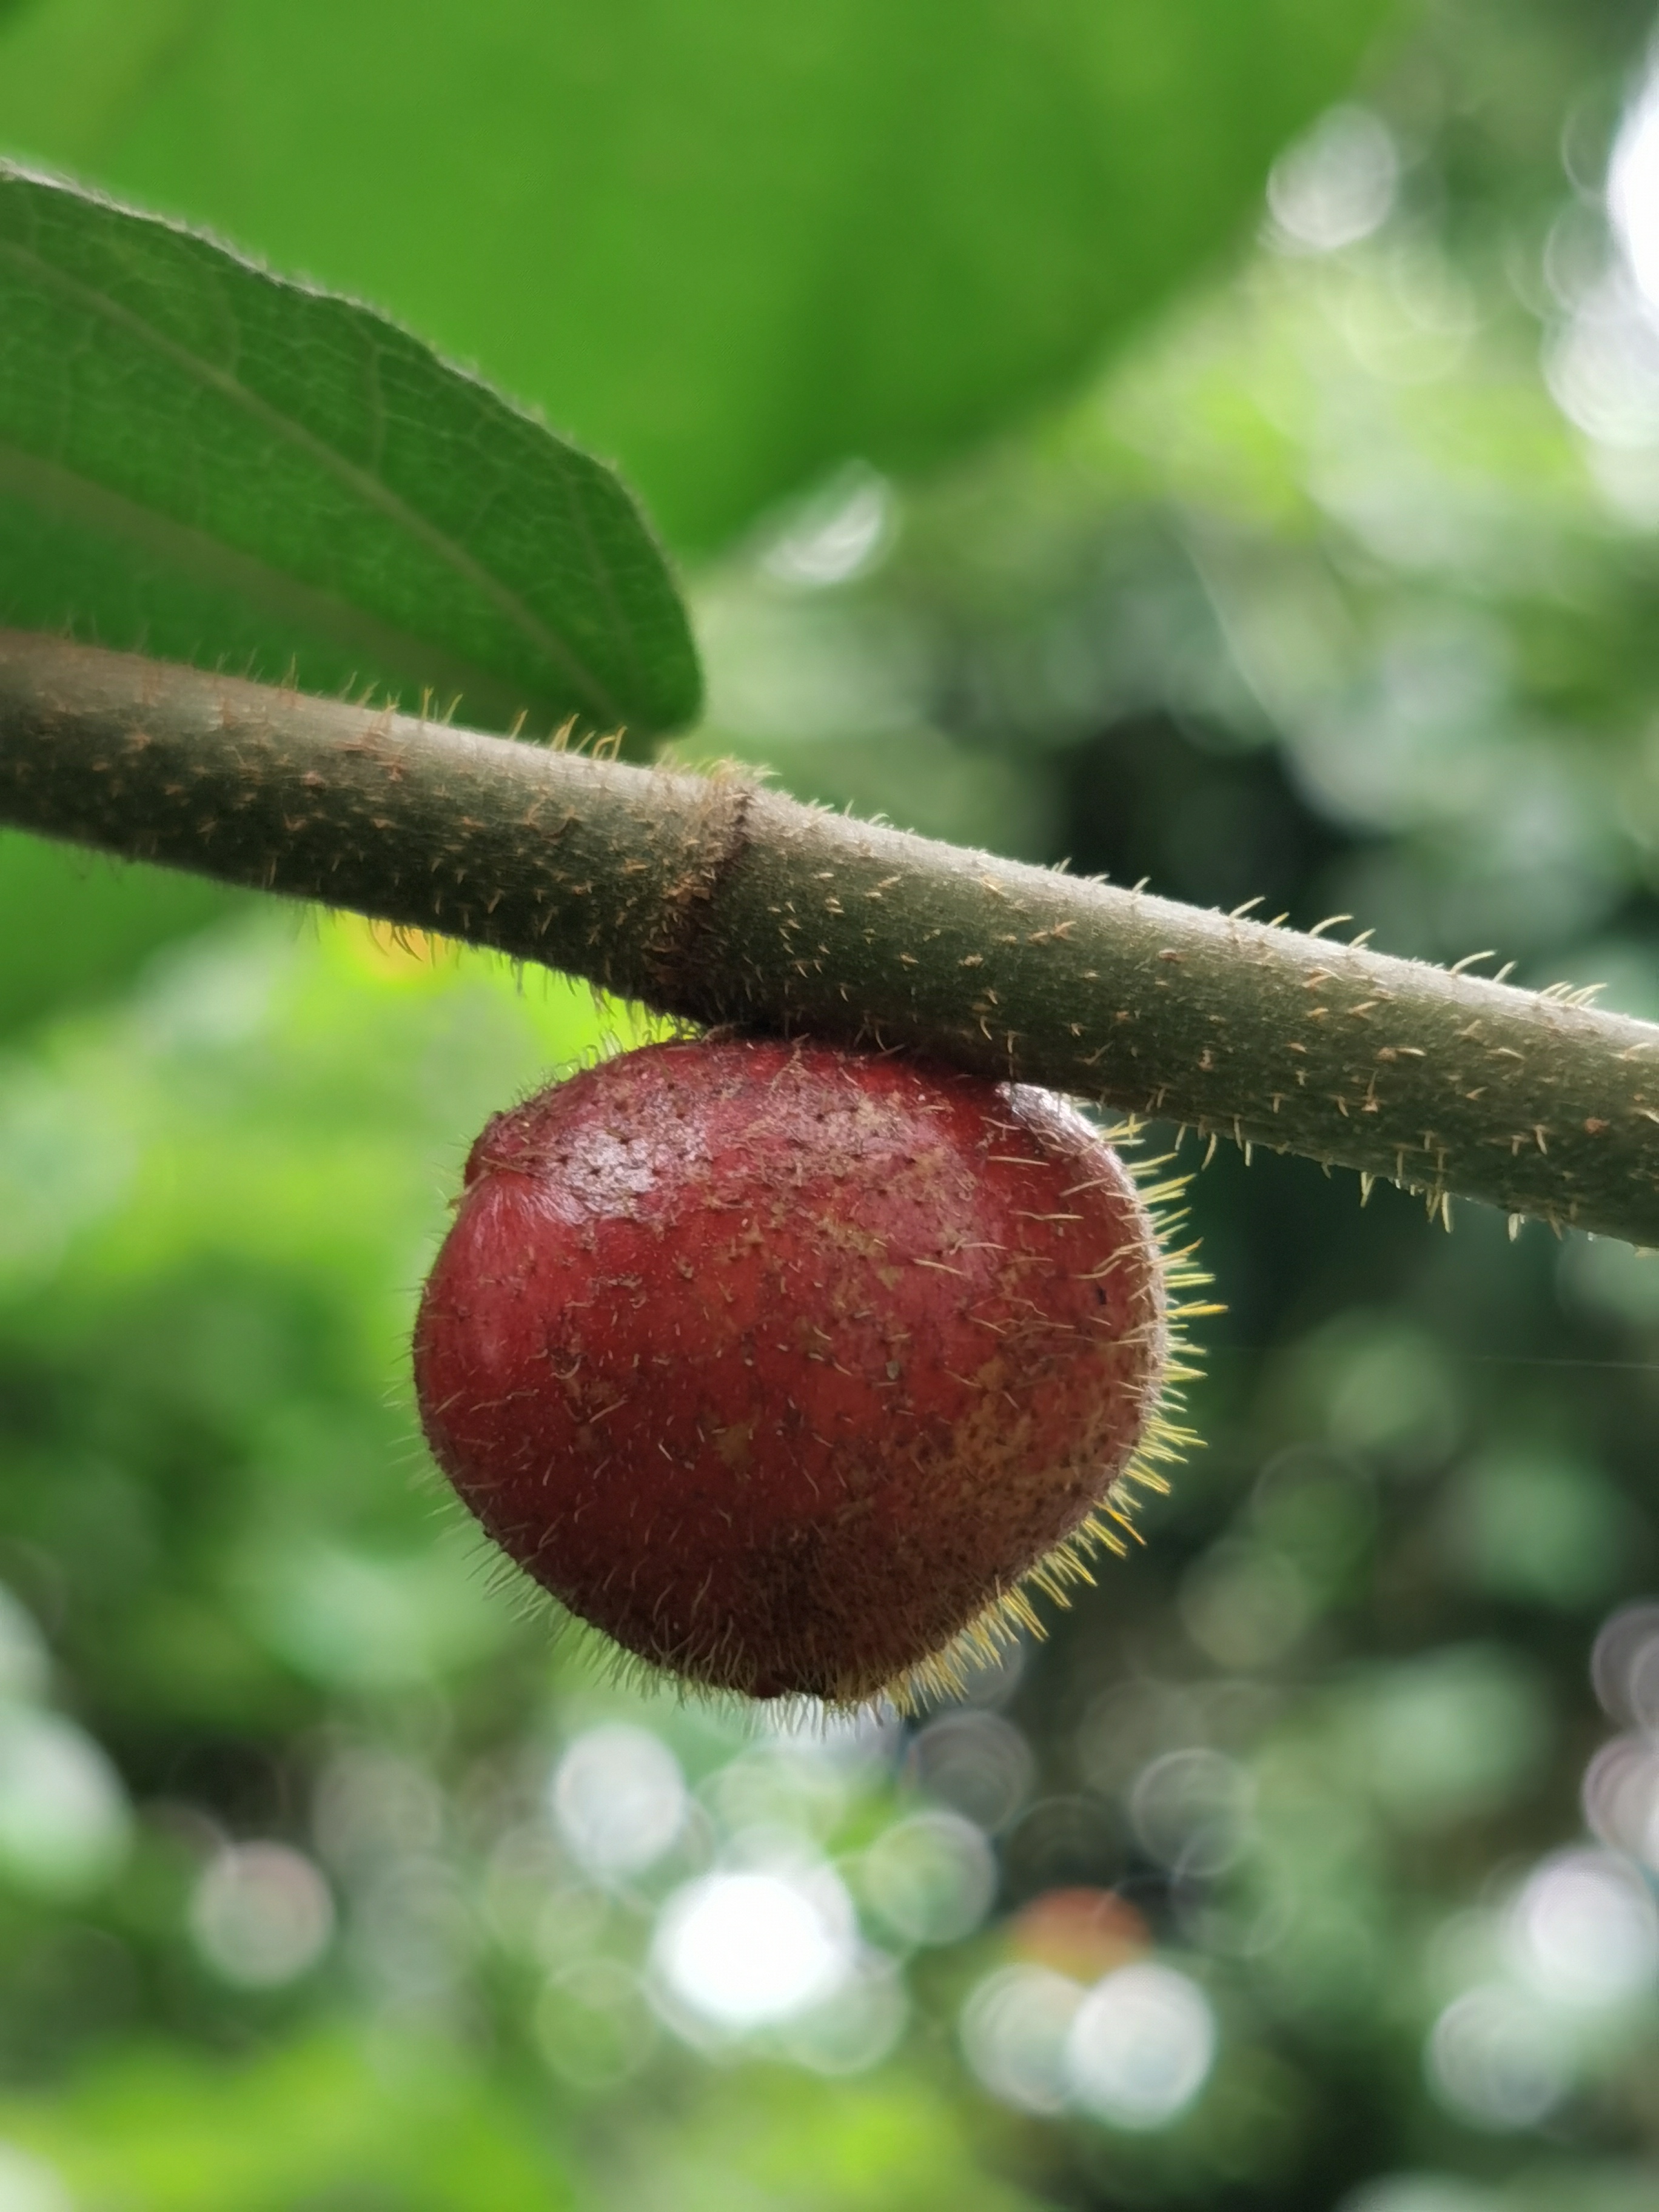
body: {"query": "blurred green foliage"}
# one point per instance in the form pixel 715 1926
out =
pixel 724 245
pixel 316 2124
pixel 89 926
pixel 1304 1868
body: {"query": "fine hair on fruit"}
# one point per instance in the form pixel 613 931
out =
pixel 798 1370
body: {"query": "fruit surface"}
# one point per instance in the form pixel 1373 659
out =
pixel 783 1363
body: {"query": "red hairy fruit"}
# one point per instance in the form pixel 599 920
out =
pixel 785 1365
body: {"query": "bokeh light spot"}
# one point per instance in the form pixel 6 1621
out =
pixel 1495 2059
pixel 261 1914
pixel 1014 2029
pixel 745 1950
pixel 931 1878
pixel 1633 192
pixel 1621 1797
pixel 976 1763
pixel 619 1799
pixel 838 533
pixel 1584 1930
pixel 64 1819
pixel 1141 2046
pixel 1336 184
pixel 29 2185
pixel 1192 1809
pixel 1624 1664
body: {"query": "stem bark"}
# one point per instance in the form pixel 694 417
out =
pixel 719 901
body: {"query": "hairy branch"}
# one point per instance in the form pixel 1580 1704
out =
pixel 710 898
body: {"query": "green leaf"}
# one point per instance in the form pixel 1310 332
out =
pixel 729 242
pixel 204 459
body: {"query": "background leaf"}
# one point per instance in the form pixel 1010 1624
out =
pixel 726 244
pixel 200 457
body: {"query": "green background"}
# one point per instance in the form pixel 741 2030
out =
pixel 1036 482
